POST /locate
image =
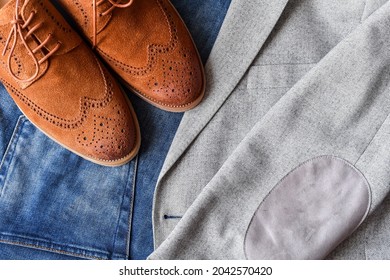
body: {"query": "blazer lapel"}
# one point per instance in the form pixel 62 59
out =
pixel 246 27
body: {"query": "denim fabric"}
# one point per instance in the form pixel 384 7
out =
pixel 12 252
pixel 56 205
pixel 203 19
pixel 51 199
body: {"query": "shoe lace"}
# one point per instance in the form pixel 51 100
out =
pixel 114 4
pixel 16 32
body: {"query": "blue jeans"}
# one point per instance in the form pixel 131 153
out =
pixel 52 200
pixel 56 205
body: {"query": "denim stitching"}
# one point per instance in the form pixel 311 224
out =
pixel 38 244
pixel 9 152
pixel 16 243
pixel 119 219
pixel 27 239
pixel 130 220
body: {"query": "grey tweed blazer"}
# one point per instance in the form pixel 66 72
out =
pixel 288 156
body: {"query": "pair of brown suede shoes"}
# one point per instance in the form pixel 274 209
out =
pixel 61 86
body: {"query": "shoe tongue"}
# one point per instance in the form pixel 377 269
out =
pixel 103 20
pixel 82 12
pixel 53 23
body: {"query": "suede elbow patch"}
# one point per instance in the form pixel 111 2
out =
pixel 309 212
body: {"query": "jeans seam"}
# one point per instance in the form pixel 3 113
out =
pixel 9 152
pixel 131 210
pixel 17 243
pixel 118 227
pixel 40 244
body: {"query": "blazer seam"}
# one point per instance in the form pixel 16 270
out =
pixel 282 64
pixel 364 11
pixel 372 139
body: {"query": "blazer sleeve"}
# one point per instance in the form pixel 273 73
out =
pixel 311 170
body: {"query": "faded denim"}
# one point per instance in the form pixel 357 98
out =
pixel 55 201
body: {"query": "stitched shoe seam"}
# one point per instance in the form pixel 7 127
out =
pixel 153 49
pixel 108 96
pixel 53 18
pixel 83 12
pixel 137 91
pixel 86 103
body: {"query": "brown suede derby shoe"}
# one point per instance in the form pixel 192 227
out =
pixel 147 44
pixel 61 87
